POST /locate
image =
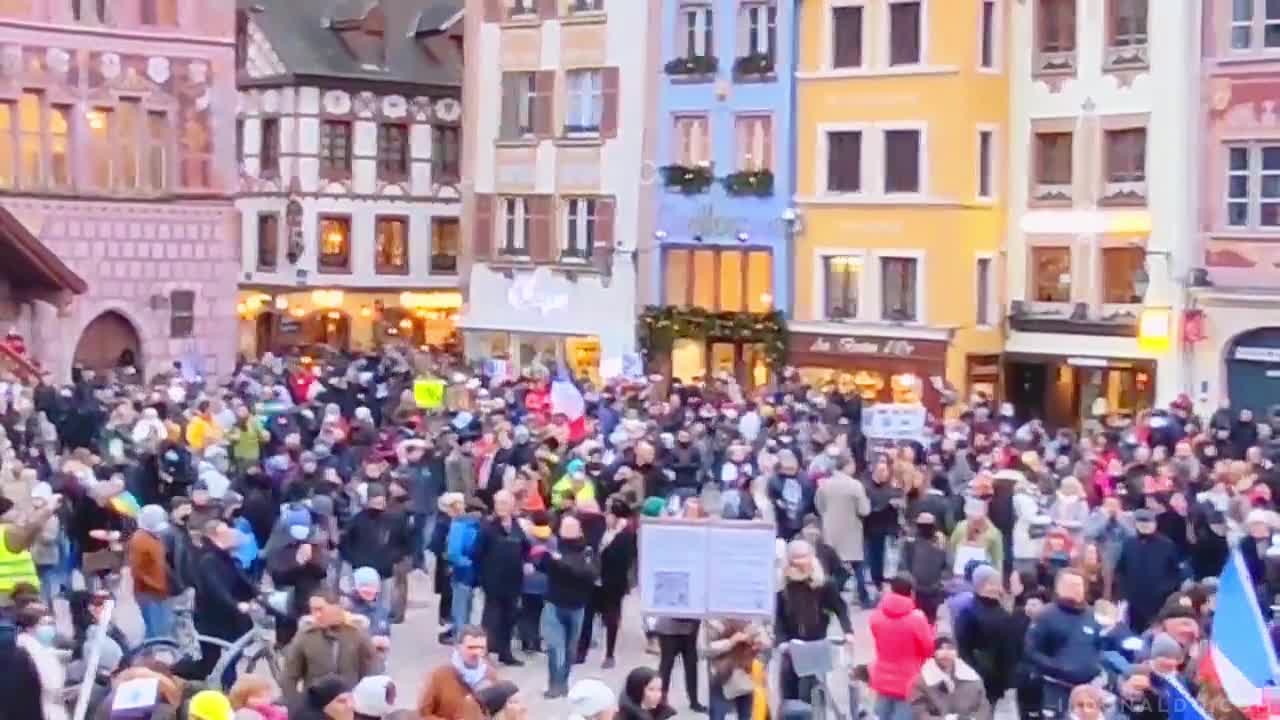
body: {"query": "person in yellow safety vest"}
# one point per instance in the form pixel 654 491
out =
pixel 574 485
pixel 16 565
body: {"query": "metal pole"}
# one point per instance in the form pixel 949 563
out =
pixel 91 664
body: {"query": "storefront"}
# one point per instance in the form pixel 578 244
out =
pixel 1066 391
pixel 279 320
pixel 1253 371
pixel 548 317
pixel 880 369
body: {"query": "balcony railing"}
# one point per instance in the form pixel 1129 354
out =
pixel 753 66
pixel 693 66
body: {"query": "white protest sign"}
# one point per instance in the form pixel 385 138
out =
pixel 707 568
pixel 889 421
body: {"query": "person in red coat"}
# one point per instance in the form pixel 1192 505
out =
pixel 904 642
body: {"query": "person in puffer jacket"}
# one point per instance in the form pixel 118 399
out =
pixel 904 642
pixel 1065 644
pixel 464 573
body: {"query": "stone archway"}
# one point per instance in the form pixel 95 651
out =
pixel 109 341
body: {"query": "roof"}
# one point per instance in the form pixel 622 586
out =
pixel 309 45
pixel 29 263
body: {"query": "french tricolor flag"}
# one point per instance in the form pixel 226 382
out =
pixel 566 399
pixel 1241 656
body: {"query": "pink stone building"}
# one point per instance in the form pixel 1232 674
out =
pixel 117 160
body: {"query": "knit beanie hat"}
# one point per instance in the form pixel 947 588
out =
pixel 209 705
pixel 983 575
pixel 374 696
pixel 590 697
pixel 364 577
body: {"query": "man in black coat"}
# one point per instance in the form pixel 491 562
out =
pixel 374 537
pixel 300 565
pixel 1147 571
pixel 500 552
pixel 222 593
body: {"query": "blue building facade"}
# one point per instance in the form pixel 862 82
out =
pixel 725 225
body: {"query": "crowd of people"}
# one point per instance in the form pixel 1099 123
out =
pixel 1052 572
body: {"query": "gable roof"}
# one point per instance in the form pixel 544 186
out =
pixel 309 46
pixel 29 263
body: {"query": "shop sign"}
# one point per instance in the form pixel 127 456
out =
pixel 1258 354
pixel 859 346
pixel 707 223
pixel 822 349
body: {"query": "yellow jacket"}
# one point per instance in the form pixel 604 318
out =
pixel 201 432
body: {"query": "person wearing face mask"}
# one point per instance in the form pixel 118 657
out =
pixel 247 437
pixel 1147 571
pixel 685 461
pixel 881 523
pixel 986 634
pixel 791 495
pixel 373 533
pixel 38 636
pixel 572 571
pixel 1064 644
pixel 222 594
pixel 145 553
pixel 299 565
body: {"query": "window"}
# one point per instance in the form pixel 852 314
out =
pixel 517 227
pixel 128 140
pixel 182 314
pixel 446 153
pixel 904 33
pixel 102 161
pixel 1126 155
pixel 239 140
pixel 445 244
pixel 1056 26
pixel 268 241
pixel 269 148
pixel 335 243
pixel 59 146
pixel 242 38
pixel 1053 159
pixel 8 164
pixel 335 148
pixel 30 147
pixel 1128 23
pixel 902 161
pixel 391 245
pixel 1051 274
pixel 1119 265
pixel 159 12
pixel 1254 19
pixel 158 142
pixel 696 32
pixel 758 28
pixel 90 11
pixel 1253 186
pixel 987 36
pixel 844 161
pixel 586 101
pixel 984 292
pixel 581 6
pixel 519 93
pixel 985 148
pixel 724 280
pixel 523 7
pixel 755 142
pixel 393 151
pixel 841 274
pixel 846 36
pixel 693 140
pixel 898 289
pixel 579 228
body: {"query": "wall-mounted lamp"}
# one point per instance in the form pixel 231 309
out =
pixel 660 234
pixel 793 220
pixel 743 236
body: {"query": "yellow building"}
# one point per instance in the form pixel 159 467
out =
pixel 900 131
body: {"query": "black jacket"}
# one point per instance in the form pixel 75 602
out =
pixel 303 578
pixel 1065 645
pixel 802 611
pixel 571 578
pixel 375 539
pixel 500 553
pixel 686 462
pixel 1146 574
pixel 616 563
pixel 987 639
pixel 222 586
pixel 1209 554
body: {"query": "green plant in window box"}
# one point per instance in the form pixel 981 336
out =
pixel 756 183
pixel 693 65
pixel 660 326
pixel 688 179
pixel 754 64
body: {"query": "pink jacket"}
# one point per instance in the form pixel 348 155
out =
pixel 904 641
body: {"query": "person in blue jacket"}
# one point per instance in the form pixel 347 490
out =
pixel 1064 646
pixel 464 570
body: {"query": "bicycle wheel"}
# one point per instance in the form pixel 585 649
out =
pixel 165 651
pixel 261 661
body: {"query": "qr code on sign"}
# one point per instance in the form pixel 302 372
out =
pixel 671 589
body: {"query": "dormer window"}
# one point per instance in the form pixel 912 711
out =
pixel 362 33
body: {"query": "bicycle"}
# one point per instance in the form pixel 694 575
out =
pixel 256 648
pixel 813 660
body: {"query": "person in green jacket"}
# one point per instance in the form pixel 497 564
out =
pixel 977 531
pixel 247 438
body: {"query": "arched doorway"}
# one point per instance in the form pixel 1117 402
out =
pixel 1253 370
pixel 109 341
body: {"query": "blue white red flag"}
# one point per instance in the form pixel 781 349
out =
pixel 1241 655
pixel 1178 703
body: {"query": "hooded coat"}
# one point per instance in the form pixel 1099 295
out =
pixel 904 641
pixel 842 502
pixel 936 694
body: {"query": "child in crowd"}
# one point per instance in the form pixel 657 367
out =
pixel 363 600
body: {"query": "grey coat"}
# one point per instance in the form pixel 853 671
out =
pixel 842 502
pixel 934 696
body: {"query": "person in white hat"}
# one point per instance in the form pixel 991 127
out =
pixel 591 699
